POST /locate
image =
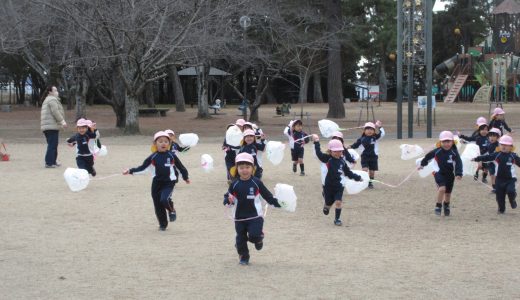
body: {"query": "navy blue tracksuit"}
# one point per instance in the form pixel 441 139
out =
pixel 253 150
pixel 492 148
pixel 500 124
pixel 297 150
pixel 369 156
pixel 84 158
pixel 450 165
pixel 248 211
pixel 505 176
pixel 229 158
pixel 336 169
pixel 165 167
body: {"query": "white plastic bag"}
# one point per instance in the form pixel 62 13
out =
pixel 286 196
pixel 410 151
pixel 470 151
pixel 101 151
pixel 355 187
pixel 188 139
pixel 458 143
pixel 275 151
pixel 206 162
pixel 355 156
pixel 77 179
pixel 428 169
pixel 234 136
pixel 327 127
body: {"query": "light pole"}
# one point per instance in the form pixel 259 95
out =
pixel 245 22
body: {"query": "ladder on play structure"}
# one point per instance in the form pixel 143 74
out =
pixel 454 91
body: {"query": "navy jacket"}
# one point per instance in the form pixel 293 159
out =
pixel 448 160
pixel 231 152
pixel 481 141
pixel 298 135
pixel 500 124
pixel 335 169
pixel 248 203
pixel 504 163
pixel 492 147
pixel 369 143
pixel 253 149
pixel 165 166
pixel 81 142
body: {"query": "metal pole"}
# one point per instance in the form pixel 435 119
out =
pixel 399 75
pixel 410 77
pixel 429 17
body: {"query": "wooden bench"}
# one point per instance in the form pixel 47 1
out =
pixel 153 111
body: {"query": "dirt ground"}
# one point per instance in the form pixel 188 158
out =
pixel 103 243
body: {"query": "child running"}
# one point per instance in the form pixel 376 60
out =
pixel 251 146
pixel 84 155
pixel 165 167
pixel 498 121
pixel 448 159
pixel 337 135
pixel 480 137
pixel 297 139
pixel 370 155
pixel 244 194
pixel 230 152
pixel 504 162
pixel 337 168
pixel 493 135
pixel 175 147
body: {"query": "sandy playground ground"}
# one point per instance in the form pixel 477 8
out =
pixel 103 243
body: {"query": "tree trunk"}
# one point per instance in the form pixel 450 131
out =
pixel 334 83
pixel 118 99
pixel 180 103
pixel 270 96
pixel 81 99
pixel 261 88
pixel 318 96
pixel 382 80
pixel 202 91
pixel 149 95
pixel 304 86
pixel 132 114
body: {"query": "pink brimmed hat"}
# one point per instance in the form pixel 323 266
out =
pixel 248 132
pixel 506 140
pixel 337 134
pixel 244 157
pixel 169 131
pixel 335 145
pixel 82 122
pixel 240 122
pixel 495 131
pixel 369 125
pixel 158 134
pixel 480 121
pixel 446 136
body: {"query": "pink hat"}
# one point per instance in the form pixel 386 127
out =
pixel 240 122
pixel 158 134
pixel 169 131
pixel 480 121
pixel 482 124
pixel 370 125
pixel 446 136
pixel 337 134
pixel 498 111
pixel 82 122
pixel 379 123
pixel 248 132
pixel 506 140
pixel 496 131
pixel 244 156
pixel 248 124
pixel 335 145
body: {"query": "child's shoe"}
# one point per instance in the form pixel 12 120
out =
pixel 325 211
pixel 162 228
pixel 244 261
pixel 475 176
pixel 259 245
pixel 93 172
pixel 302 173
pixel 484 178
pixel 173 216
pixel 446 210
pixel 370 185
pixel 294 168
pixel 513 203
pixel 493 191
pixel 438 209
pixel 338 222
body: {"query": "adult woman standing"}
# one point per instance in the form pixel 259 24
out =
pixel 52 118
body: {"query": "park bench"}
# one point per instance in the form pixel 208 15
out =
pixel 153 111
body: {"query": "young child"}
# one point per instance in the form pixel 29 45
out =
pixel 165 167
pixel 251 146
pixel 244 194
pixel 230 152
pixel 450 167
pixel 493 136
pixel 498 121
pixel 337 168
pixel 259 134
pixel 504 162
pixel 84 158
pixel 174 146
pixel 480 137
pixel 346 155
pixel 369 157
pixel 297 139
